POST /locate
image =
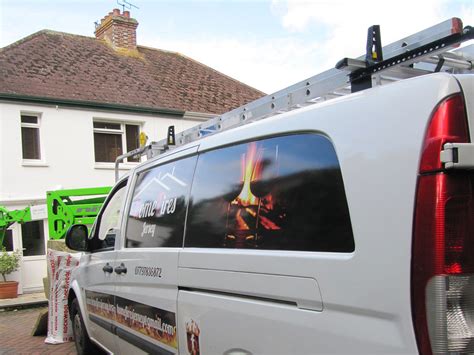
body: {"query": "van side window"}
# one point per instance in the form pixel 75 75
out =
pixel 103 235
pixel 158 208
pixel 282 193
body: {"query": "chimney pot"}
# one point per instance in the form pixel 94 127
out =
pixel 126 14
pixel 116 12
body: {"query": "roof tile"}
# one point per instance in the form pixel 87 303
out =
pixel 65 66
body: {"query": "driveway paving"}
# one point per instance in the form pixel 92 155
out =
pixel 15 335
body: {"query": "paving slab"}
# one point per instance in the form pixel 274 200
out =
pixel 25 300
pixel 15 334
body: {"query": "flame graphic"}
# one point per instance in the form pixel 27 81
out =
pixel 250 208
pixel 250 171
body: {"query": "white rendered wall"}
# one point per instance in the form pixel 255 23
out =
pixel 67 148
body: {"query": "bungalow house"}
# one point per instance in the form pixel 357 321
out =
pixel 70 104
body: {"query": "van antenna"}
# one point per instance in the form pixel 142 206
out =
pixel 126 5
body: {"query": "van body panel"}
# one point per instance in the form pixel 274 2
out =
pixel 467 85
pixel 228 324
pixel 148 294
pixel 243 301
pixel 94 281
pixel 300 291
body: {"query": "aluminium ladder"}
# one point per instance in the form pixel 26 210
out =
pixel 425 52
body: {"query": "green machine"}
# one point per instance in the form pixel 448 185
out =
pixel 7 218
pixel 68 207
pixel 65 208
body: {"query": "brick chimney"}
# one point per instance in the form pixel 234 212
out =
pixel 118 29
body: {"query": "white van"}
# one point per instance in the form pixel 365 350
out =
pixel 343 227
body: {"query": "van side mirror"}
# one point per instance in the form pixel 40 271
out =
pixel 76 237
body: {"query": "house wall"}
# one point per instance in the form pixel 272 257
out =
pixel 68 160
pixel 67 147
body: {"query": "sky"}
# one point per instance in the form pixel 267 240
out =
pixel 267 44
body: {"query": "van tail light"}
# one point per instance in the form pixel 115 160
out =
pixel 442 279
pixel 448 125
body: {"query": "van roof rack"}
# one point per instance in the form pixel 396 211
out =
pixel 425 52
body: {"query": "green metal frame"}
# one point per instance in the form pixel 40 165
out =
pixel 65 208
pixel 7 218
pixel 64 211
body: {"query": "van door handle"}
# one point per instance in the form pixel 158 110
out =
pixel 121 269
pixel 108 269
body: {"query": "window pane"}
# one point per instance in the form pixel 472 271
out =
pixel 107 125
pixel 8 240
pixel 283 193
pixel 107 147
pixel 158 208
pixel 29 119
pixel 30 143
pixel 32 236
pixel 108 223
pixel 133 142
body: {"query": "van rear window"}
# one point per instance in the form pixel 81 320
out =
pixel 282 193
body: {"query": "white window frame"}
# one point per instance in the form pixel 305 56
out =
pixel 33 162
pixel 122 131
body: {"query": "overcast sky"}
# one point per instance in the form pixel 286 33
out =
pixel 266 44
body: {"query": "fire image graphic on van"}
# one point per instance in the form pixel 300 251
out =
pixel 252 211
pixel 277 193
pixel 192 338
